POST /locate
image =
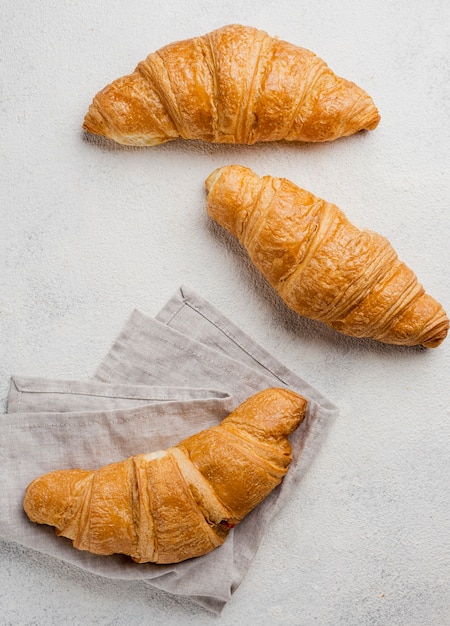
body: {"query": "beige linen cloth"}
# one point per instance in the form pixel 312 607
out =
pixel 163 379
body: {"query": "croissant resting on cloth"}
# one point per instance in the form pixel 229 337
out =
pixel 321 265
pixel 178 503
pixel 234 85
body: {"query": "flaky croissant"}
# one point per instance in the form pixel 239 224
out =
pixel 179 503
pixel 234 85
pixel 321 265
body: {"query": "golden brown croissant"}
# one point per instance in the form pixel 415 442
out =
pixel 321 265
pixel 234 85
pixel 178 503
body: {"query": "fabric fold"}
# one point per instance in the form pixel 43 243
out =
pixel 32 394
pixel 163 379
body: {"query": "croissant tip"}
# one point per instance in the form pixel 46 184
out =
pixel 85 126
pixel 93 122
pixel 28 498
pixel 34 503
pixel 210 181
pixel 374 122
pixel 437 338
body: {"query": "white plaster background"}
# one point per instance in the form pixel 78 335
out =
pixel 88 233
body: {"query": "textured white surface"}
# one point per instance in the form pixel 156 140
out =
pixel 88 233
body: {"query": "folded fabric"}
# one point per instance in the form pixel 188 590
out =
pixel 163 379
pixel 31 394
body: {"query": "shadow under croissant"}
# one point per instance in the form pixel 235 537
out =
pixel 106 144
pixel 229 149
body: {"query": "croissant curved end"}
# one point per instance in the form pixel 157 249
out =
pixel 94 122
pixel 97 123
pixel 209 182
pixel 371 125
pixel 32 500
pixel 49 498
pixel 275 412
pixel 437 335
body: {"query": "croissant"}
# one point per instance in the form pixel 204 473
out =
pixel 321 265
pixel 234 85
pixel 179 503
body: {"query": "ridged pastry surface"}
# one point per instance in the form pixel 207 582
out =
pixel 179 503
pixel 236 85
pixel 321 265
